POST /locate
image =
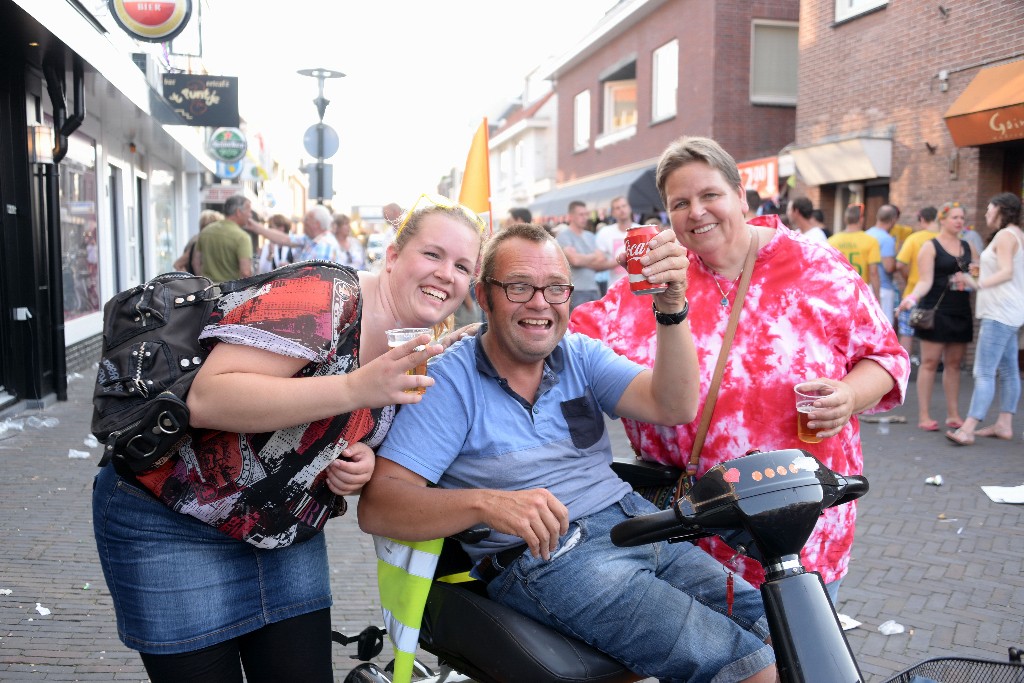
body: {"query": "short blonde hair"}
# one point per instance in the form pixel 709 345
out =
pixel 208 216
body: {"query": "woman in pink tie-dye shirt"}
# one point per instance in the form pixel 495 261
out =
pixel 806 316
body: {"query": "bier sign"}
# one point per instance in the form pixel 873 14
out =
pixel 152 21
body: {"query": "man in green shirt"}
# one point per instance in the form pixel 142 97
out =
pixel 225 249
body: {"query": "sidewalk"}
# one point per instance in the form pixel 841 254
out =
pixel 945 562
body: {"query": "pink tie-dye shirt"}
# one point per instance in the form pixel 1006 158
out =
pixel 807 314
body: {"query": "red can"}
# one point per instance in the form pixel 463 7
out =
pixel 636 246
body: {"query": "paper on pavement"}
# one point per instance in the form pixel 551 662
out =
pixel 1005 494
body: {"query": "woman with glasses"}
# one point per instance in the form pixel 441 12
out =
pixel 216 560
pixel 938 262
pixel 807 315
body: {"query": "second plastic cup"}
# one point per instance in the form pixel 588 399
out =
pixel 806 394
pixel 399 336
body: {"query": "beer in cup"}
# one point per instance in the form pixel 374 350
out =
pixel 806 394
pixel 399 336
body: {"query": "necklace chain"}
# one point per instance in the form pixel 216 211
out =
pixel 725 295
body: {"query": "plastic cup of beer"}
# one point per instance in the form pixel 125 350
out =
pixel 806 394
pixel 399 336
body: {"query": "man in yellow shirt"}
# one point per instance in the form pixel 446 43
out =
pixel 900 232
pixel 906 266
pixel 859 248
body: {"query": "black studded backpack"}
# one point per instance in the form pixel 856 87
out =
pixel 151 352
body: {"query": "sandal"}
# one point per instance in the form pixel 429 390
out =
pixel 932 426
pixel 955 424
pixel 990 431
pixel 960 438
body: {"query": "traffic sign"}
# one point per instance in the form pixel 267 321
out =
pixel 321 141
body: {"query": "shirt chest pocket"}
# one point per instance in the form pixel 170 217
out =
pixel 584 419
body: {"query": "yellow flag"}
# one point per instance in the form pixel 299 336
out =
pixel 476 181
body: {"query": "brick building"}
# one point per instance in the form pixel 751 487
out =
pixel 653 70
pixel 910 102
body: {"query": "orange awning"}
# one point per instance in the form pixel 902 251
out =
pixel 991 109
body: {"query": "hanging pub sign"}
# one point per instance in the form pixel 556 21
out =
pixel 200 100
pixel 152 22
pixel 227 145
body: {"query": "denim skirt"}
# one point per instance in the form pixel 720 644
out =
pixel 179 585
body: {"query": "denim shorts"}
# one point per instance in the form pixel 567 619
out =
pixel 179 585
pixel 903 324
pixel 660 609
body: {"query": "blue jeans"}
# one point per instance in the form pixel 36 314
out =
pixel 179 585
pixel 996 352
pixel 660 609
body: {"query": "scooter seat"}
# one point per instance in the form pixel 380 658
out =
pixel 495 644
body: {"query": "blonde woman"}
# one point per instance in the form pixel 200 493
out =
pixel 190 260
pixel 939 261
pixel 216 560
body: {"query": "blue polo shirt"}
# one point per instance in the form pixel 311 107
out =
pixel 472 431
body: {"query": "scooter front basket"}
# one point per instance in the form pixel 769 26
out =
pixel 961 670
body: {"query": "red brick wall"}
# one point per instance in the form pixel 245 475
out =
pixel 714 92
pixel 878 73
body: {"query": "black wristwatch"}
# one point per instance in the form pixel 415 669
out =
pixel 671 318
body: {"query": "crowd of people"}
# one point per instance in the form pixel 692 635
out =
pixel 301 403
pixel 227 253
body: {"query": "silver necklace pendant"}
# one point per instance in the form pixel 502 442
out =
pixel 724 301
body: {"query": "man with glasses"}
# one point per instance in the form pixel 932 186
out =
pixel 512 433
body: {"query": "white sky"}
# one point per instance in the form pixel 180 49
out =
pixel 420 77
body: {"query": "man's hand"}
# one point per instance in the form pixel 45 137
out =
pixel 535 516
pixel 347 474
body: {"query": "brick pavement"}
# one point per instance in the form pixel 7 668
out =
pixel 943 561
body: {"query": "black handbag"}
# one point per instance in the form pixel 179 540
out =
pixel 923 318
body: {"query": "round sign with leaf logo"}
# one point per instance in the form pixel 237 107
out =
pixel 227 144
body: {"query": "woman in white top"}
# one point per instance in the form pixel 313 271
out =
pixel 276 255
pixel 1000 307
pixel 352 253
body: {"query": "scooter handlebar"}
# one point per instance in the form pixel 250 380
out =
pixel 856 486
pixel 658 526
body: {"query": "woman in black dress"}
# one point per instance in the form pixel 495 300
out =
pixel 939 259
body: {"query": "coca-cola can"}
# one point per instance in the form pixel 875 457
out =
pixel 636 246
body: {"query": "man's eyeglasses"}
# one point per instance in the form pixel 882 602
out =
pixel 521 292
pixel 444 203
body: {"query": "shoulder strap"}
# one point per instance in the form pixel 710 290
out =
pixel 191 254
pixel 723 356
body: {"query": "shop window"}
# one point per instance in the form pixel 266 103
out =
pixel 581 120
pixel 665 63
pixel 774 56
pixel 79 239
pixel 161 194
pixel 847 9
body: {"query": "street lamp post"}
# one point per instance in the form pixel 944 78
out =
pixel 321 140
